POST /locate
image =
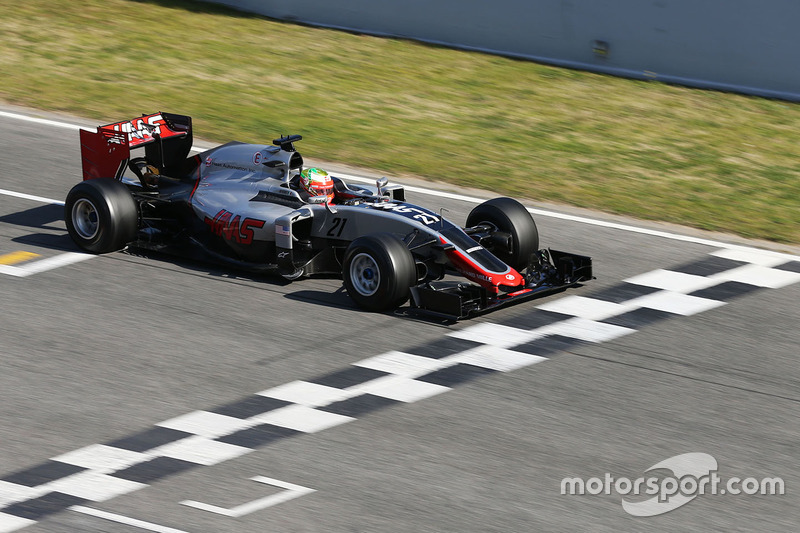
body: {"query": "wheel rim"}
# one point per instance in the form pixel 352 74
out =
pixel 365 274
pixel 85 219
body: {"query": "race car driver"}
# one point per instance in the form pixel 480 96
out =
pixel 315 182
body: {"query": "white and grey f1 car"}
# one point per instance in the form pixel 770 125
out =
pixel 239 203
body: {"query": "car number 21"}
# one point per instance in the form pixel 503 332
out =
pixel 338 227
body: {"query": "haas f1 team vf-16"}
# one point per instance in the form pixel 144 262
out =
pixel 243 204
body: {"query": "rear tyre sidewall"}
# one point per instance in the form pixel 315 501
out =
pixel 387 288
pixel 510 216
pixel 101 215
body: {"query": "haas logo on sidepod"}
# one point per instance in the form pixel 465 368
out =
pixel 233 228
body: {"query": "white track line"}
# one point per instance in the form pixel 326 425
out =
pixel 42 121
pixel 31 197
pixel 463 198
pixel 125 520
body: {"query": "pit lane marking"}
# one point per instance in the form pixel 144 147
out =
pixel 291 491
pixel 8 261
pixel 16 257
pixel 43 265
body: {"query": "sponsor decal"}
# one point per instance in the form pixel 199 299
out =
pixel 142 130
pixel 232 166
pixel 257 158
pixel 476 275
pixel 408 211
pixel 233 228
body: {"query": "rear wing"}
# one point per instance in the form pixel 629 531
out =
pixel 166 138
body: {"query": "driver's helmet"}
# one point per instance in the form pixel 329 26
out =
pixel 317 182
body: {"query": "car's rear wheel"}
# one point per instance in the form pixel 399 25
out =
pixel 508 216
pixel 378 271
pixel 101 215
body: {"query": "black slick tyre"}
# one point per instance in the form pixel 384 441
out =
pixel 509 216
pixel 101 215
pixel 378 271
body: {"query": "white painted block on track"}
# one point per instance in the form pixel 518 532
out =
pixel 206 424
pixel 583 307
pixel 94 486
pixel 673 281
pixel 102 458
pixel 760 276
pixel 588 330
pixel 403 364
pixel 9 523
pixel 496 335
pixel 677 303
pixel 12 493
pixel 400 388
pixel 302 418
pixel 305 393
pixel 201 450
pixel 498 359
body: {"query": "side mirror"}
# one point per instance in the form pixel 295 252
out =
pixel 274 164
pixel 322 199
pixel 381 183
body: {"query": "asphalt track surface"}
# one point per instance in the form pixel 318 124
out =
pixel 107 350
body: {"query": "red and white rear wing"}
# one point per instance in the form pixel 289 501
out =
pixel 143 130
pixel 105 152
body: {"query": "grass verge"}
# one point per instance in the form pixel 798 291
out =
pixel 706 159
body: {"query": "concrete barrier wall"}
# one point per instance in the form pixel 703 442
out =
pixel 746 46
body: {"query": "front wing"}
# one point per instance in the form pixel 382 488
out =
pixel 549 271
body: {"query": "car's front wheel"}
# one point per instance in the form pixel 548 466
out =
pixel 508 216
pixel 378 271
pixel 101 215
